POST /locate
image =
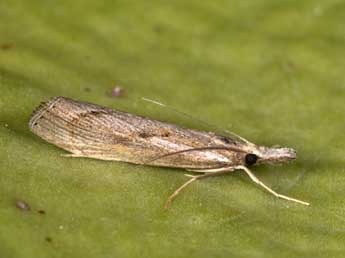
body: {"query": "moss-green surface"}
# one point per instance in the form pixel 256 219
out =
pixel 272 71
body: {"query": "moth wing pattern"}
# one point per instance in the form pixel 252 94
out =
pixel 97 132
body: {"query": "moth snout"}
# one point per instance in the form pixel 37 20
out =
pixel 287 153
pixel 276 155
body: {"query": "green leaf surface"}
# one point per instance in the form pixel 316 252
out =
pixel 272 71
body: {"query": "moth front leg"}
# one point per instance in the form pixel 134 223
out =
pixel 72 155
pixel 256 180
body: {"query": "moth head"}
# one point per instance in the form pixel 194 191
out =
pixel 262 154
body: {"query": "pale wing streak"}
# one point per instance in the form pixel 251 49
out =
pixel 179 147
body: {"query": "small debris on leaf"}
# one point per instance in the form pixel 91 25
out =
pixel 20 204
pixel 117 92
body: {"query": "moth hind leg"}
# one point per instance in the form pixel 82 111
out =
pixel 209 173
pixel 72 155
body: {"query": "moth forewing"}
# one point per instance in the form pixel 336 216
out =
pixel 93 131
pixel 96 132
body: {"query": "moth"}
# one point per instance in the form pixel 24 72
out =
pixel 92 131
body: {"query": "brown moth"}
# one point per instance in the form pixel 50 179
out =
pixel 92 131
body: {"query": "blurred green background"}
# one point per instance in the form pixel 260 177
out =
pixel 272 71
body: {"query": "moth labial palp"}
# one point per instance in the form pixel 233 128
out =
pixel 92 131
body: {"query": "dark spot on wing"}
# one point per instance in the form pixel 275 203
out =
pixel 160 133
pixel 94 113
pixel 144 135
pixel 225 140
pixel 165 134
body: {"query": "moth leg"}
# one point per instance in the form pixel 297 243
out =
pixel 72 155
pixel 213 172
pixel 256 180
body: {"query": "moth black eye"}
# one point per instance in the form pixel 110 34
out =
pixel 251 159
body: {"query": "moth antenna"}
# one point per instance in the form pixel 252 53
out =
pixel 195 118
pixel 153 102
pixel 193 149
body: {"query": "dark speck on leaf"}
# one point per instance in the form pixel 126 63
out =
pixel 41 212
pixel 49 239
pixel 158 29
pixel 6 46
